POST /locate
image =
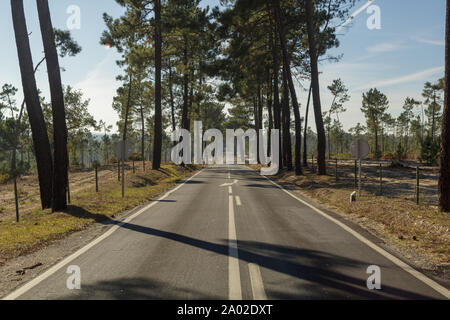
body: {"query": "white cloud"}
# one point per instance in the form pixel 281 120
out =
pixel 100 86
pixel 386 47
pixel 404 79
pixel 430 41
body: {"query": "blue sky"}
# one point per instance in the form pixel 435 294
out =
pixel 397 59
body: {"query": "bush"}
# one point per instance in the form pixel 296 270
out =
pixel 113 160
pixel 135 156
pixel 4 177
pixel 429 152
pixel 400 153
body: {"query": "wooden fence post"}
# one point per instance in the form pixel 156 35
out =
pixel 118 170
pixel 337 176
pixel 96 178
pixel 417 185
pixel 16 197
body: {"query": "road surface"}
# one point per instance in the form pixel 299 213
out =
pixel 229 233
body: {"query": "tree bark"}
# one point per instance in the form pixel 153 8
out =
pixel 305 146
pixel 60 156
pixel 38 128
pixel 276 92
pixel 142 137
pixel 321 140
pixel 444 176
pixel 157 142
pixel 269 111
pixel 172 103
pixel 185 112
pixel 286 123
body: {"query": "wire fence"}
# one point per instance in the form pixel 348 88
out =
pixel 409 181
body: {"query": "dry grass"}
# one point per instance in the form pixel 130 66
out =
pixel 38 227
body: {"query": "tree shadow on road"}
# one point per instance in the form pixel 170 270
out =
pixel 134 289
pixel 321 271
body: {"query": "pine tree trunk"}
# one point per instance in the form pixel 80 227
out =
pixel 305 146
pixel 185 111
pixel 172 103
pixel 143 138
pixel 286 124
pixel 321 140
pixel 269 111
pixel 444 177
pixel 38 128
pixel 60 156
pixel 157 146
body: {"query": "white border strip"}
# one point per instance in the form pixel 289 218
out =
pixel 34 282
pixel 420 276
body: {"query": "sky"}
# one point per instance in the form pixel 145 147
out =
pixel 398 58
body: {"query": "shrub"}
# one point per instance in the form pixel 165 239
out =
pixel 400 153
pixel 135 156
pixel 429 152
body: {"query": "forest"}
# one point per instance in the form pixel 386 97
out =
pixel 239 65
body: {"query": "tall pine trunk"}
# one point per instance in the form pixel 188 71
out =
pixel 287 150
pixel 157 142
pixel 38 128
pixel 444 177
pixel 305 146
pixel 269 110
pixel 321 139
pixel 60 156
pixel 185 111
pixel 142 137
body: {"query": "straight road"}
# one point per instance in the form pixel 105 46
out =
pixel 228 233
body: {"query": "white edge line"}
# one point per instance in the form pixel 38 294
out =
pixel 420 276
pixel 22 290
pixel 256 282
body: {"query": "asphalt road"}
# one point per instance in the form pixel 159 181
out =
pixel 229 233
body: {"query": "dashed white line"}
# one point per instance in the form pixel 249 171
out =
pixel 238 201
pixel 234 276
pixel 256 282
